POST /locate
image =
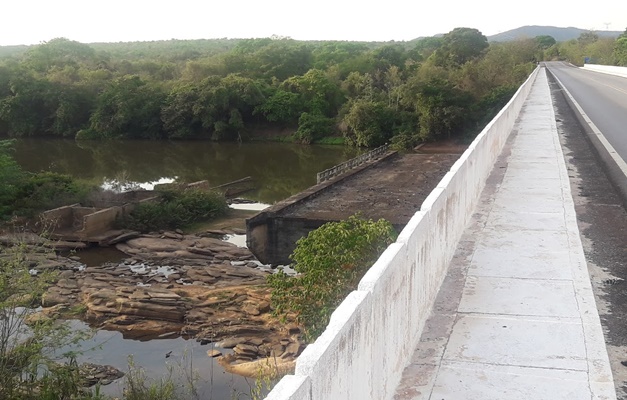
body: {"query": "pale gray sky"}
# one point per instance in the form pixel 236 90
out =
pixel 35 21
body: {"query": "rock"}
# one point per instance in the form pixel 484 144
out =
pixel 150 310
pixel 271 367
pixel 201 251
pixel 277 350
pixel 67 284
pixel 263 306
pixel 121 238
pixel 171 235
pixel 250 309
pixel 230 342
pixel 293 350
pixel 214 353
pixel 103 374
pixel 53 297
pixel 66 274
pixel 245 349
pixel 255 341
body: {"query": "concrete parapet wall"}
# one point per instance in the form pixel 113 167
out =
pixel 372 334
pixel 607 69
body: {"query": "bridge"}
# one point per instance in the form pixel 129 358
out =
pixel 489 291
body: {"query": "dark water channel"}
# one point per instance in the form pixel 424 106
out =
pixel 279 170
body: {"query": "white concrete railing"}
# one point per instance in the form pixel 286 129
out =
pixel 607 69
pixel 371 336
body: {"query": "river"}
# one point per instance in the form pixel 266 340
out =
pixel 279 170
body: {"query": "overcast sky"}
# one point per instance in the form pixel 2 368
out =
pixel 35 21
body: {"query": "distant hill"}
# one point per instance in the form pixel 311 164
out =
pixel 559 34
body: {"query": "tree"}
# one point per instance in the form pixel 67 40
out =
pixel 312 127
pixel 282 106
pixel 130 108
pixel 330 260
pixel 444 110
pixel 59 52
pixel 545 41
pixel 620 50
pixel 460 46
pixel 318 93
pixel 369 123
pixel 588 37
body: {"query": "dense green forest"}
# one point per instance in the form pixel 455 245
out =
pixel 227 89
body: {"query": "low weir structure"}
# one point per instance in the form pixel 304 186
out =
pixel 391 187
pixel 372 334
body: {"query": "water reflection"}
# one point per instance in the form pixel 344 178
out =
pixel 157 357
pixel 279 169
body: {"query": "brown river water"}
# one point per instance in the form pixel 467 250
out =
pixel 279 169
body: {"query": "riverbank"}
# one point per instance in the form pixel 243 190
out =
pixel 176 285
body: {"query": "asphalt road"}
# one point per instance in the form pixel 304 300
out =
pixel 600 209
pixel 603 98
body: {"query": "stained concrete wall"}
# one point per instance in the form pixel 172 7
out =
pixel 58 218
pixel 371 336
pixel 607 69
pixel 271 235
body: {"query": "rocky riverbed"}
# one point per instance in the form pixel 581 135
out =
pixel 173 284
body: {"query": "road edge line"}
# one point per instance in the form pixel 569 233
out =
pixel 614 164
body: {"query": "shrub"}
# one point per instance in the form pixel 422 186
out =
pixel 30 364
pixel 331 260
pixel 10 175
pixel 45 190
pixel 176 209
pixel 312 127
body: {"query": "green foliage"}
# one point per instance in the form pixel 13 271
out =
pixel 460 46
pixel 545 41
pixel 443 109
pixel 139 387
pixel 30 367
pixel 176 209
pixel 331 260
pixel 11 176
pixel 282 106
pixel 129 107
pixel 312 127
pixel 620 50
pixel 369 123
pixel 26 193
pixel 225 89
pixel 45 190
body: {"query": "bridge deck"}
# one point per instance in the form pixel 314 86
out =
pixel 516 317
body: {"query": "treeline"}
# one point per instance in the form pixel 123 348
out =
pixel 368 93
pixel 589 46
